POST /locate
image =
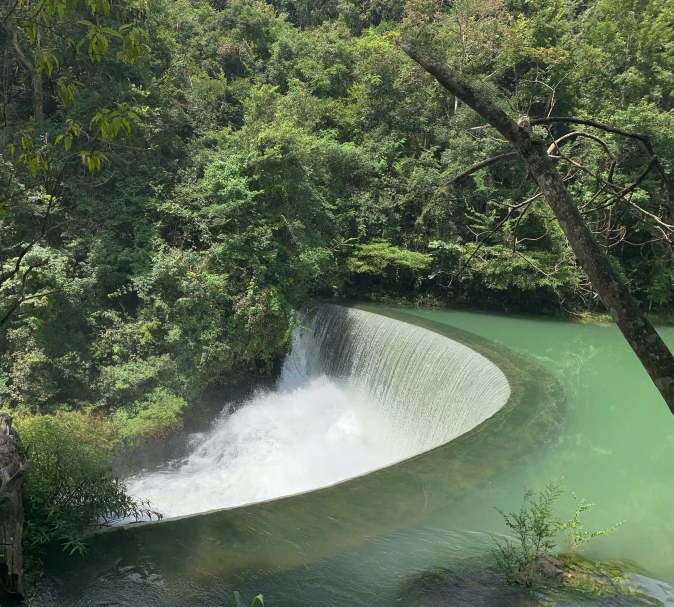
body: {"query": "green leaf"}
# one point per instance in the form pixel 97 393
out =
pixel 31 29
pixel 112 32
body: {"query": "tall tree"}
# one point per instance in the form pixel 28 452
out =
pixel 47 147
pixel 624 309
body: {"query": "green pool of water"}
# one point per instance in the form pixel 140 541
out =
pixel 607 432
pixel 616 447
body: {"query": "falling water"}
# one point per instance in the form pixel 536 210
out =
pixel 429 388
pixel 360 391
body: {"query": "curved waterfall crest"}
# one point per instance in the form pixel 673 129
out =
pixel 359 392
pixel 428 388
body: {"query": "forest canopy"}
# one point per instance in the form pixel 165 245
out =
pixel 179 177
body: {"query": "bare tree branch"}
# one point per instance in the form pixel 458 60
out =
pixel 645 140
pixel 484 164
pixel 637 329
pixel 573 135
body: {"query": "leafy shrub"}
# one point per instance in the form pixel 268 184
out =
pixel 379 256
pixel 537 531
pixel 378 268
pixel 70 491
pixel 157 415
pixel 575 527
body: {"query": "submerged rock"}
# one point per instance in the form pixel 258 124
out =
pixel 612 582
pixel 645 586
pixel 562 582
pixel 464 587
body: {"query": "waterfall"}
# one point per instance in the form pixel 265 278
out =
pixel 360 391
pixel 429 388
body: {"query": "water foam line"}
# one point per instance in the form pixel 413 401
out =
pixel 360 391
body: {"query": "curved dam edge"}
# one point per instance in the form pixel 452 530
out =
pixel 510 363
pixel 296 529
pixel 460 338
pixel 425 388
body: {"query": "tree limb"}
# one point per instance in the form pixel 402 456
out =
pixel 484 164
pixel 644 139
pixel 625 311
pixel 555 146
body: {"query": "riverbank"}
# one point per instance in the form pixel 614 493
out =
pixel 433 302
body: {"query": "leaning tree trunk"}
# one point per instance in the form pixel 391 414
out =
pixel 625 311
pixel 12 474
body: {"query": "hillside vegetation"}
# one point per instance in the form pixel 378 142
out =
pixel 179 176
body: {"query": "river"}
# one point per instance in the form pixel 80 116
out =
pixel 582 409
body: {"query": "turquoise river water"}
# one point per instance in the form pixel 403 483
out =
pixel 583 410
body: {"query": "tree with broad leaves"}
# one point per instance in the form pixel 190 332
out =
pixel 33 34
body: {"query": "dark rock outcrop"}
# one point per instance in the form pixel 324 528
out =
pixel 12 474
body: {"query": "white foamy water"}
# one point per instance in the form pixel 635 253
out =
pixel 277 444
pixel 360 391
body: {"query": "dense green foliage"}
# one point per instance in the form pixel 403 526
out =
pixel 69 491
pixel 186 198
pixel 179 176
